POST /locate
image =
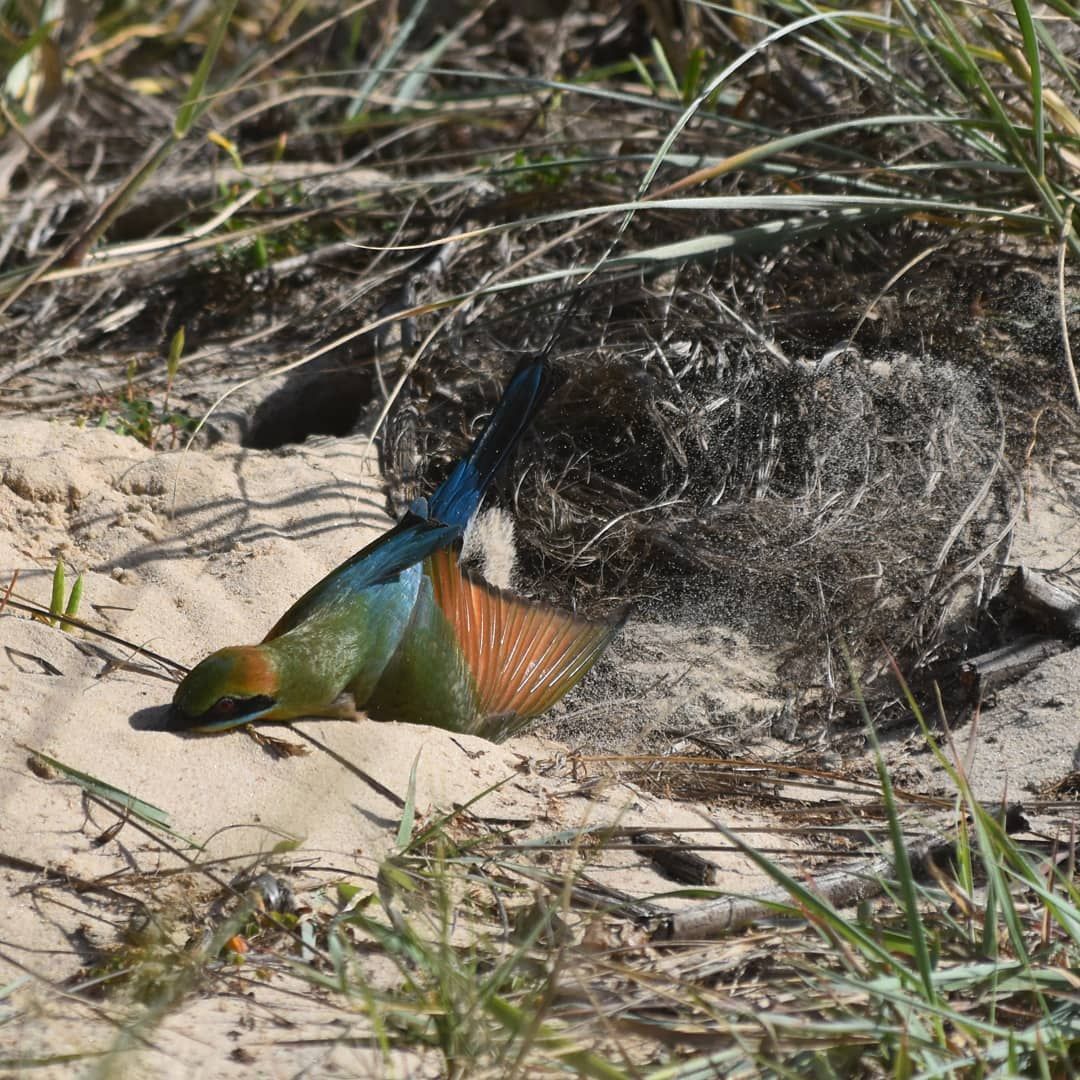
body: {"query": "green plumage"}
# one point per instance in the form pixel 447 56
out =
pixel 427 680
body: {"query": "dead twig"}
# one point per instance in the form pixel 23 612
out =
pixel 992 669
pixel 1052 608
pixel 677 860
pixel 839 888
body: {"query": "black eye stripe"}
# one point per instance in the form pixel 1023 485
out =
pixel 226 713
pixel 228 707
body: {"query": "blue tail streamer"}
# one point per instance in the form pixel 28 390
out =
pixel 458 497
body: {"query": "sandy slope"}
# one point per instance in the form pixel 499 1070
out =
pixel 183 554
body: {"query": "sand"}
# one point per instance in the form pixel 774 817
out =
pixel 184 553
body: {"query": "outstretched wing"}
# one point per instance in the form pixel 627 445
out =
pixel 523 655
pixel 380 563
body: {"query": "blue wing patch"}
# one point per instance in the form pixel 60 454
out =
pixel 383 561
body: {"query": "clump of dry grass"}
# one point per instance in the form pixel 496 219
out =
pixel 837 497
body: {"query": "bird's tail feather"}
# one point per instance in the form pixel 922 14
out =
pixel 458 497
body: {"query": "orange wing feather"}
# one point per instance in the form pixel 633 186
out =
pixel 523 655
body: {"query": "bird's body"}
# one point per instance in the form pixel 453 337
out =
pixel 402 631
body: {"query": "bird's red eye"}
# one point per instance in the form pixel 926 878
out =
pixel 226 706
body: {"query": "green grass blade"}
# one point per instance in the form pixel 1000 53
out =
pixel 408 812
pixel 1062 7
pixel 154 815
pixel 665 67
pixel 56 601
pixel 562 1049
pixel 722 77
pixel 993 843
pixel 74 600
pixel 1035 85
pixel 905 877
pixel 817 907
pixel 414 81
pixel 386 60
pixel 194 104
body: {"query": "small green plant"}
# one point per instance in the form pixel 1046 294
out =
pixel 535 172
pixel 276 226
pixel 661 78
pixel 57 608
pixel 142 418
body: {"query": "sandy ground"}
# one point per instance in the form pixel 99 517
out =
pixel 182 554
pixel 185 553
pixel 1030 736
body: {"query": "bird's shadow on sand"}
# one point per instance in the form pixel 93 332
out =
pixel 153 718
pixel 156 718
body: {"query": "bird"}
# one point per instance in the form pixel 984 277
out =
pixel 403 631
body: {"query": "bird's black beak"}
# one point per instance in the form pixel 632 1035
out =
pixel 225 714
pixel 176 719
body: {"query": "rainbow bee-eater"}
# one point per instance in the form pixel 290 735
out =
pixel 402 631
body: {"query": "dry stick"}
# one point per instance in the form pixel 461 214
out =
pixel 144 252
pixel 70 620
pixel 153 250
pixel 28 140
pixel 7 592
pixel 125 253
pixel 775 772
pixel 678 861
pixel 1010 662
pixel 1055 609
pixel 839 888
pixel 63 991
pixel 148 251
pixel 72 881
pixel 375 785
pixel 76 251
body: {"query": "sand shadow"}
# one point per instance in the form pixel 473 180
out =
pixel 153 718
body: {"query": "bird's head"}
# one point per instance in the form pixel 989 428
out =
pixel 230 687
